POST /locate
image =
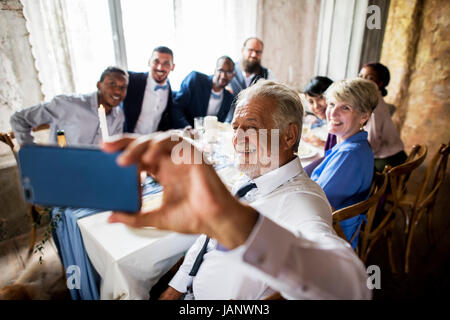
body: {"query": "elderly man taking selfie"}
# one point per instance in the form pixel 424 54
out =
pixel 274 234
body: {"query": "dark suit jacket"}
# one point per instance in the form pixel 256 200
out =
pixel 237 84
pixel 193 98
pixel 132 105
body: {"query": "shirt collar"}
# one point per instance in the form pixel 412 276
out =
pixel 273 179
pixel 152 83
pixel 359 136
pixel 94 100
pixel 245 76
pixel 217 95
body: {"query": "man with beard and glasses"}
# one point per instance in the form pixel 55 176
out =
pixel 77 115
pixel 280 232
pixel 201 95
pixel 148 103
pixel 249 69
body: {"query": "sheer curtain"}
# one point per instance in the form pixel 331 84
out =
pixel 71 42
pixel 198 32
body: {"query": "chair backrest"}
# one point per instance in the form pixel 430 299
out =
pixel 399 175
pixel 433 178
pixel 377 189
pixel 6 138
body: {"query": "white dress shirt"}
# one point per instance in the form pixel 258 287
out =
pixel 292 248
pixel 153 106
pixel 214 104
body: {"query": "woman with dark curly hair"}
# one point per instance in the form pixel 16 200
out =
pixel 384 137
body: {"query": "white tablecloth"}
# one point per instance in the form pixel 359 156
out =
pixel 130 261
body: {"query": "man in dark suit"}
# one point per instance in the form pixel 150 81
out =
pixel 201 95
pixel 148 103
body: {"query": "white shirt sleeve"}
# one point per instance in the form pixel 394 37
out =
pixel 302 269
pixel 182 280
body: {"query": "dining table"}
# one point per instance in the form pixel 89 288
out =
pixel 115 261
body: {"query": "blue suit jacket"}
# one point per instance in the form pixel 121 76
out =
pixel 237 84
pixel 193 98
pixel 132 104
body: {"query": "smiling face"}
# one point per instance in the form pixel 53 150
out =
pixel 160 66
pixel 344 120
pixel 223 74
pixel 318 105
pixel 251 55
pixel 369 73
pixel 112 90
pixel 253 128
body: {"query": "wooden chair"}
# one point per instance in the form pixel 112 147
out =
pixel 5 137
pixel 415 206
pixel 368 206
pixel 399 176
pixel 386 215
pixel 34 211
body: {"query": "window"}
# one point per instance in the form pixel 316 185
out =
pixel 71 43
pixel 73 40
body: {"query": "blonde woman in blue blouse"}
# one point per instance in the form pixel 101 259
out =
pixel 346 172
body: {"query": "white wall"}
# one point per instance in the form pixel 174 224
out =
pixel 19 85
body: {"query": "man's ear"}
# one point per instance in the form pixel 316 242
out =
pixel 173 67
pixel 99 84
pixel 290 135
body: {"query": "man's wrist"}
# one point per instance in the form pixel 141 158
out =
pixel 237 226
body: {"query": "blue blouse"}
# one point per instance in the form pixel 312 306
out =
pixel 345 175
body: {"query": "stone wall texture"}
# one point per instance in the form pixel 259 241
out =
pixel 19 87
pixel 416 49
pixel 289 31
pixel 19 84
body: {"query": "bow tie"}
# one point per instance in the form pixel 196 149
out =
pixel 164 87
pixel 215 96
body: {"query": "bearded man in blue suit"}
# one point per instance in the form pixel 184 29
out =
pixel 201 95
pixel 148 102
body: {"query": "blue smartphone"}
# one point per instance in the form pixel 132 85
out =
pixel 80 177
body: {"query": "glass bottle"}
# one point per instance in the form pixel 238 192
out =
pixel 61 137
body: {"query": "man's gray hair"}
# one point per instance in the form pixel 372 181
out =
pixel 289 105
